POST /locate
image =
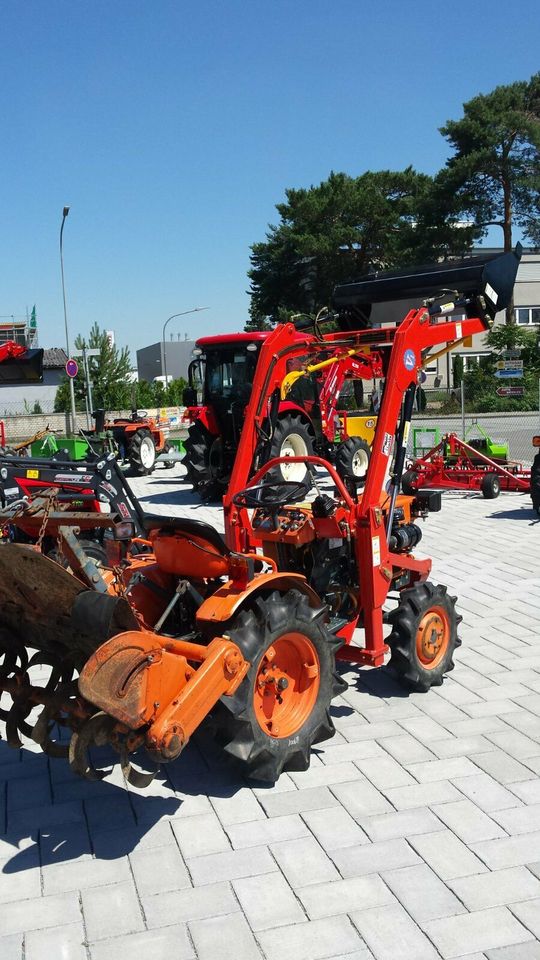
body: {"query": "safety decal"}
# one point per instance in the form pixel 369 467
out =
pixel 387 444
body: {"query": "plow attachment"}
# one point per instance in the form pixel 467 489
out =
pixel 100 675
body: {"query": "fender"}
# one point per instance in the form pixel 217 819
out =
pixel 230 598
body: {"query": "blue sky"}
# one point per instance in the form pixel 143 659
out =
pixel 173 128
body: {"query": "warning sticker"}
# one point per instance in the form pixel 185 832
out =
pixel 459 330
pixel 387 444
pixel 376 551
pixel 32 474
pixel 491 293
pixel 409 359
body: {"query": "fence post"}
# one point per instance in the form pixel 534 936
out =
pixel 462 409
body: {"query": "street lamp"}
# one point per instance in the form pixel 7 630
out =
pixel 68 350
pixel 173 317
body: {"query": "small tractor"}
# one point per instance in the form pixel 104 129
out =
pixel 245 629
pixel 138 440
pixel 20 364
pixel 307 420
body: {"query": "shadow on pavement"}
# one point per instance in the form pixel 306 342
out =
pixel 521 513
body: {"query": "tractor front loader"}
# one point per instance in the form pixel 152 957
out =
pixel 246 628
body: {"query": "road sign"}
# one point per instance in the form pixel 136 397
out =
pixel 514 364
pixel 72 368
pixel 508 374
pixel 511 354
pixel 510 391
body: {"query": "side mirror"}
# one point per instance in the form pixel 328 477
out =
pixel 124 530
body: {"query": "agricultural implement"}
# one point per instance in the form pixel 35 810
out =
pixel 246 628
pixel 20 364
pixel 454 464
pixel 535 477
pixel 138 440
pixel 306 421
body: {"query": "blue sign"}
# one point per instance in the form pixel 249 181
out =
pixel 409 359
pixel 508 374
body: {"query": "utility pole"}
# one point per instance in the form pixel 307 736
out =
pixel 174 315
pixel 68 349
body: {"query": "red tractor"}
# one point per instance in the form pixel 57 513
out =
pixel 305 419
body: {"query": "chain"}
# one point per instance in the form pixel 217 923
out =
pixel 51 501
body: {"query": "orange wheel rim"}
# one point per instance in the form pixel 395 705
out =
pixel 432 637
pixel 286 685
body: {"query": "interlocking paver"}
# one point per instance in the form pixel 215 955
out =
pixel 344 896
pixel 529 914
pixel 171 943
pixel 296 801
pixel 447 855
pixel 312 941
pixel 374 858
pixel 403 823
pixel 482 930
pixel 229 866
pixel 497 888
pixel 467 821
pixel 335 831
pixel 276 907
pixel 509 851
pixel 502 767
pixel 519 819
pixel 66 941
pixel 39 913
pixel 210 900
pixel 361 798
pixel 228 938
pixel 304 861
pixel 158 870
pixel 11 948
pixel 111 911
pixel 422 893
pixel 81 874
pixel 391 933
pixel 257 833
pixel 423 794
pixel 486 792
pixel 200 835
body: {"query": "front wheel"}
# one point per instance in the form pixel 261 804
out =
pixel 424 636
pixel 293 437
pixel 282 706
pixel 352 459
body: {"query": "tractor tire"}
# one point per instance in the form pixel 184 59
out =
pixel 352 459
pixel 535 483
pixel 424 636
pixel 197 463
pixel 490 486
pixel 167 464
pixel 141 453
pixel 408 483
pixel 282 707
pixel 293 437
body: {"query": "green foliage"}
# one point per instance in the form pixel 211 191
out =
pixel 340 229
pixel 109 374
pixel 257 321
pixel 457 369
pixel 494 174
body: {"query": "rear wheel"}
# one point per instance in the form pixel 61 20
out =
pixel 282 707
pixel 424 636
pixel 490 486
pixel 168 464
pixel 293 437
pixel 141 452
pixel 199 462
pixel 352 459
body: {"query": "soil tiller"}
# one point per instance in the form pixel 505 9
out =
pixel 246 628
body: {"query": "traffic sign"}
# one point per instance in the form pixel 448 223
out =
pixel 510 391
pixel 72 368
pixel 514 364
pixel 508 374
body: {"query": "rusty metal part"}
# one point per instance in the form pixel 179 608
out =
pixel 96 731
pixel 147 681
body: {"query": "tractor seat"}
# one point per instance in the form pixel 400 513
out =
pixel 185 525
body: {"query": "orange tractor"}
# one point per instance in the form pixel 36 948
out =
pixel 246 628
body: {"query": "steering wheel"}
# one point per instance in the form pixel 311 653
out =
pixel 273 493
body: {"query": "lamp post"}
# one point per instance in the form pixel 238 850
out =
pixel 68 349
pixel 173 317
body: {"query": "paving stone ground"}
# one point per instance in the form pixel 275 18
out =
pixel 414 834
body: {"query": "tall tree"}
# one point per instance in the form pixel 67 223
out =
pixel 494 173
pixel 338 230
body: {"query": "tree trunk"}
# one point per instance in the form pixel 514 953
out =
pixel 507 233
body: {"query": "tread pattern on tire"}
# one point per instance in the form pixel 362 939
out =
pixel 197 462
pixel 414 603
pixel 134 452
pixel 290 423
pixel 254 629
pixel 535 483
pixel 345 453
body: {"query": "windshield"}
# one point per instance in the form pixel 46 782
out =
pixel 229 372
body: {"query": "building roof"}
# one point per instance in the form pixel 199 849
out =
pixel 54 358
